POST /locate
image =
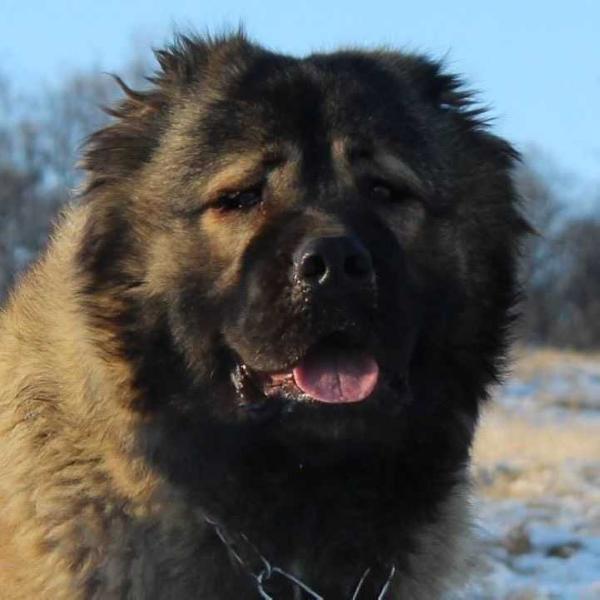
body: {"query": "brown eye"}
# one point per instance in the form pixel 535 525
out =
pixel 242 200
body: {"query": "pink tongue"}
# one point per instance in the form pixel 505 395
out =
pixel 337 376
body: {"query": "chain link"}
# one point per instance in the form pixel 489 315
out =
pixel 242 546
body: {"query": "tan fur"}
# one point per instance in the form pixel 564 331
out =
pixel 74 496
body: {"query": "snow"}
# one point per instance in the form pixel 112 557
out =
pixel 538 500
pixel 567 390
pixel 537 551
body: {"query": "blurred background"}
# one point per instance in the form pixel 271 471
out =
pixel 537 65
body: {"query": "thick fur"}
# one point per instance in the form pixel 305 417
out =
pixel 124 421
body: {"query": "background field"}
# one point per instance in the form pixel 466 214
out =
pixel 537 470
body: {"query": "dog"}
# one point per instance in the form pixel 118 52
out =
pixel 251 361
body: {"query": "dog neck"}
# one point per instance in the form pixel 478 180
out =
pixel 263 572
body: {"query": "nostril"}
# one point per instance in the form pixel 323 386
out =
pixel 358 266
pixel 313 267
pixel 333 262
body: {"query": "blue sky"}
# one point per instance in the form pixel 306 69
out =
pixel 537 63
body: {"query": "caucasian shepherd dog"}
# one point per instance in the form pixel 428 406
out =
pixel 251 361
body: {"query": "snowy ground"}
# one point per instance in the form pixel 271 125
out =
pixel 537 468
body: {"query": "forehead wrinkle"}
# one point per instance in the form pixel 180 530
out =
pixel 339 149
pixel 316 169
pixel 340 153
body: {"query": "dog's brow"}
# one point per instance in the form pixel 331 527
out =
pixel 396 169
pixel 384 161
pixel 240 173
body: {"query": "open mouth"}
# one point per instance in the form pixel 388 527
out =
pixel 330 372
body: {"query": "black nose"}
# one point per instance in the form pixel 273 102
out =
pixel 333 260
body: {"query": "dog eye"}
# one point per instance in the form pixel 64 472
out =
pixel 241 200
pixel 384 192
pixel 380 191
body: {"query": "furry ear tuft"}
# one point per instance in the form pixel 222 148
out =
pixel 122 147
pixel 447 91
pixel 182 61
pixel 186 60
pixel 136 97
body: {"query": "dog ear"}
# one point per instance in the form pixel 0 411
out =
pixel 120 148
pixel 140 119
pixel 446 91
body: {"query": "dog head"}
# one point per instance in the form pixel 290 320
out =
pixel 329 241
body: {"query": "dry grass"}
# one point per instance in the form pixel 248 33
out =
pixel 524 454
pixel 518 459
pixel 503 438
pixel 528 363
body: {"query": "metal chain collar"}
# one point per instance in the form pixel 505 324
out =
pixel 263 572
